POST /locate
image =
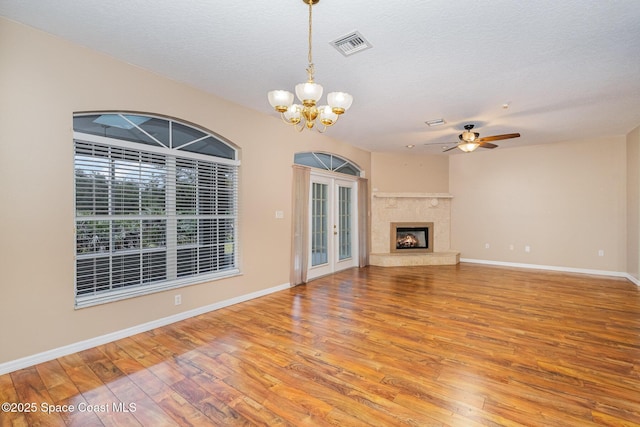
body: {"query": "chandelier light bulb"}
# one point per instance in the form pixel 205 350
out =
pixel 309 93
pixel 280 100
pixel 327 116
pixel 339 101
pixel 293 113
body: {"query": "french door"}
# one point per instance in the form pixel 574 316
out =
pixel 333 225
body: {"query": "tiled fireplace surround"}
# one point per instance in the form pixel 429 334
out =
pixel 411 207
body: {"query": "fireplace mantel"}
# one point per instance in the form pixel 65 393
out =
pixel 413 195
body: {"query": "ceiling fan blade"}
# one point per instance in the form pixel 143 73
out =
pixel 450 148
pixel 487 145
pixel 498 137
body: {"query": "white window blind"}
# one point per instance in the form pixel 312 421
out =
pixel 149 221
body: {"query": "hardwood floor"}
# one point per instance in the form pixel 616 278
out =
pixel 457 345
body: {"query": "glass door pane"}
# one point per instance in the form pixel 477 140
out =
pixel 345 223
pixel 319 224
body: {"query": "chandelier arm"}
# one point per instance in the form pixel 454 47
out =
pixel 284 120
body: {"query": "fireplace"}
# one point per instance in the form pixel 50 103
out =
pixel 408 210
pixel 411 237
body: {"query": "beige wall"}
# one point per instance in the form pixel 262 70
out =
pixel 43 80
pixel 566 201
pixel 633 203
pixel 409 173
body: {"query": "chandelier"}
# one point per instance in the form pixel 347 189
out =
pixel 305 115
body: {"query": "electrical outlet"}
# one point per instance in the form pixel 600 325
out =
pixel 601 252
pixel 177 300
pixel 527 248
pixel 279 214
pixel 486 246
pixel 511 247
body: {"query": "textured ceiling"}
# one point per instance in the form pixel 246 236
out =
pixel 569 69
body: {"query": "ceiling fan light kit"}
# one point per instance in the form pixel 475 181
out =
pixel 468 147
pixel 305 115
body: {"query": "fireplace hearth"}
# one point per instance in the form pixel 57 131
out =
pixel 411 237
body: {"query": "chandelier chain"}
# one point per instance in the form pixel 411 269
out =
pixel 310 70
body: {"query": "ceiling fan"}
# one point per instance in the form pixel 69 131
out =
pixel 470 140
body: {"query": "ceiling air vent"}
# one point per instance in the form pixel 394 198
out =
pixel 351 43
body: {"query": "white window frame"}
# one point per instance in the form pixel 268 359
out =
pixel 171 281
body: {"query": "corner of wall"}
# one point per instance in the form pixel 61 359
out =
pixel 633 203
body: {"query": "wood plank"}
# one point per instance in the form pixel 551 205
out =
pixel 31 391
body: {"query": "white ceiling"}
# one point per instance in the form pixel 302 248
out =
pixel 569 69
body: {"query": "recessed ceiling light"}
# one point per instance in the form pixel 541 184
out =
pixel 436 122
pixel 410 146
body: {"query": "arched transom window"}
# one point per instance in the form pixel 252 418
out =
pixel 326 161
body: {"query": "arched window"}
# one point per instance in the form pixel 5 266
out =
pixel 327 161
pixel 156 205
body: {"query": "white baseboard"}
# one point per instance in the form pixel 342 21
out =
pixel 555 268
pixel 35 359
pixel 633 279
